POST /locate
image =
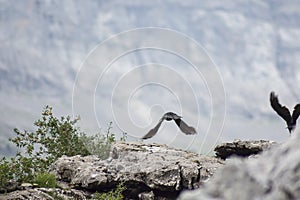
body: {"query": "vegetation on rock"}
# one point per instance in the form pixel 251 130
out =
pixel 115 194
pixel 53 138
pixel 45 180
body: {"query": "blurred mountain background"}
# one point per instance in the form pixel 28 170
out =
pixel 254 44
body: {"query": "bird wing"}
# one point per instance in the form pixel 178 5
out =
pixel 296 112
pixel 184 127
pixel 282 111
pixel 153 131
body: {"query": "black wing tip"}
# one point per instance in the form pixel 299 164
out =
pixel 297 107
pixel 273 95
pixel 148 135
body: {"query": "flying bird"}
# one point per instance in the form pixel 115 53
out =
pixel 283 112
pixel 180 123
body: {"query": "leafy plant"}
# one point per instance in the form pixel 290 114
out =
pixel 5 174
pixel 53 138
pixel 45 180
pixel 115 194
pixel 37 150
pixel 100 144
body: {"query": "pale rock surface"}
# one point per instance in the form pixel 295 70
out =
pixel 273 175
pixel 147 170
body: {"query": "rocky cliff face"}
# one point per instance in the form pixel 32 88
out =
pixel 142 168
pixel 273 175
pixel 151 171
pixel 148 171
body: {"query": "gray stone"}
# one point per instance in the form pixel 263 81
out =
pixel 273 175
pixel 146 196
pixel 143 168
pixel 148 171
pixel 242 148
pixel 44 193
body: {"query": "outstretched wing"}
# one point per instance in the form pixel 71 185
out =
pixel 153 131
pixel 282 111
pixel 184 127
pixel 296 112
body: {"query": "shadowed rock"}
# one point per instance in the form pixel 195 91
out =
pixel 274 175
pixel 146 170
pixel 242 148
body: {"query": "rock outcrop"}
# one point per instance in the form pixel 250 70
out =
pixel 147 171
pixel 242 148
pixel 44 194
pixel 273 175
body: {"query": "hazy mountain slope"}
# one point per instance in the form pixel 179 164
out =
pixel 255 45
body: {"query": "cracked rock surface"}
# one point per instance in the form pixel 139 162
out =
pixel 274 175
pixel 242 148
pixel 149 171
pixel 43 194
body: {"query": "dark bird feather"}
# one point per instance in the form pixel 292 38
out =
pixel 171 116
pixel 284 112
pixel 296 112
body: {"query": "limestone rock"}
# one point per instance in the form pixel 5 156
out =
pixel 242 148
pixel 145 169
pixel 146 196
pixel 44 193
pixel 273 175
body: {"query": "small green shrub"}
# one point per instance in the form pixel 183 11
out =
pixel 37 150
pixel 115 194
pixel 53 138
pixel 45 180
pixel 5 174
pixel 100 144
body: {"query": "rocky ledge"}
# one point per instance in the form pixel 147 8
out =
pixel 242 148
pixel 273 175
pixel 44 194
pixel 151 170
pixel 148 171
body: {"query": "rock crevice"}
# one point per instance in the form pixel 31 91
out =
pixel 153 168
